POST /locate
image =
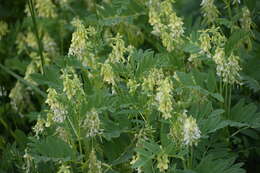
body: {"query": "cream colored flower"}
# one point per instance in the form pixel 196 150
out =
pixel 166 24
pixel 118 49
pixel 72 86
pixel 45 8
pixel 3 29
pixel 39 127
pixel 209 10
pixel 79 38
pixel 162 162
pixel 191 132
pixel 92 124
pixel 227 67
pixel 94 165
pixel 132 85
pixel 164 98
pixel 58 110
pixel 108 73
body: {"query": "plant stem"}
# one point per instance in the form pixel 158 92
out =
pixel 229 100
pixel 77 135
pixel 40 46
pixel 22 80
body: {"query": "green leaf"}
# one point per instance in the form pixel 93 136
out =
pixel 51 77
pixel 234 40
pixel 22 80
pixel 213 165
pixel 243 114
pixel 217 96
pixel 191 48
pixel 147 152
pixel 52 148
pixel 251 83
pixel 251 4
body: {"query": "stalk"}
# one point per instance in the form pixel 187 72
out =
pixel 36 31
pixel 229 100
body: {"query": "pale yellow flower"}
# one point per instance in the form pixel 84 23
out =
pixel 166 24
pixel 3 29
pixel 162 162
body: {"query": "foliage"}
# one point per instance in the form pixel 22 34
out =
pixel 129 86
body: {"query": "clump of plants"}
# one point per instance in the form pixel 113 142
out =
pixel 123 86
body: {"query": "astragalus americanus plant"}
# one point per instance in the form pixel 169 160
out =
pixel 124 86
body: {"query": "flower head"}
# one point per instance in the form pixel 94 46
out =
pixel 166 24
pixel 58 110
pixel 108 73
pixel 94 165
pixel 164 97
pixel 191 132
pixel 78 41
pixel 118 49
pixel 92 124
pixel 3 29
pixel 209 10
pixel 45 8
pixel 227 67
pixel 72 86
pixel 162 162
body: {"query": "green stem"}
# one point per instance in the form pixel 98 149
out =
pixel 226 99
pixel 8 128
pixel 36 31
pixel 228 4
pixel 221 90
pixel 61 37
pixel 229 100
pixel 36 89
pixel 190 157
pixel 239 130
pixel 76 133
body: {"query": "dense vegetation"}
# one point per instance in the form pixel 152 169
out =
pixel 124 86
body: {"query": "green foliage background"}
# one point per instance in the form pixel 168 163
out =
pixel 230 130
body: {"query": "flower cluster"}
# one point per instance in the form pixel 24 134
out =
pixel 64 169
pixel 72 86
pixel 164 97
pixel 3 29
pixel 81 44
pixel 118 49
pixel 18 96
pixel 132 85
pixel 227 67
pixel 184 130
pixel 116 56
pixel 39 127
pixel 149 82
pixel 210 38
pixel 205 41
pixel 162 162
pixel 191 132
pixel 108 73
pixel 45 8
pixel 94 165
pixel 79 38
pixel 210 11
pixel 58 110
pixel 247 24
pixel 92 124
pixel 166 23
